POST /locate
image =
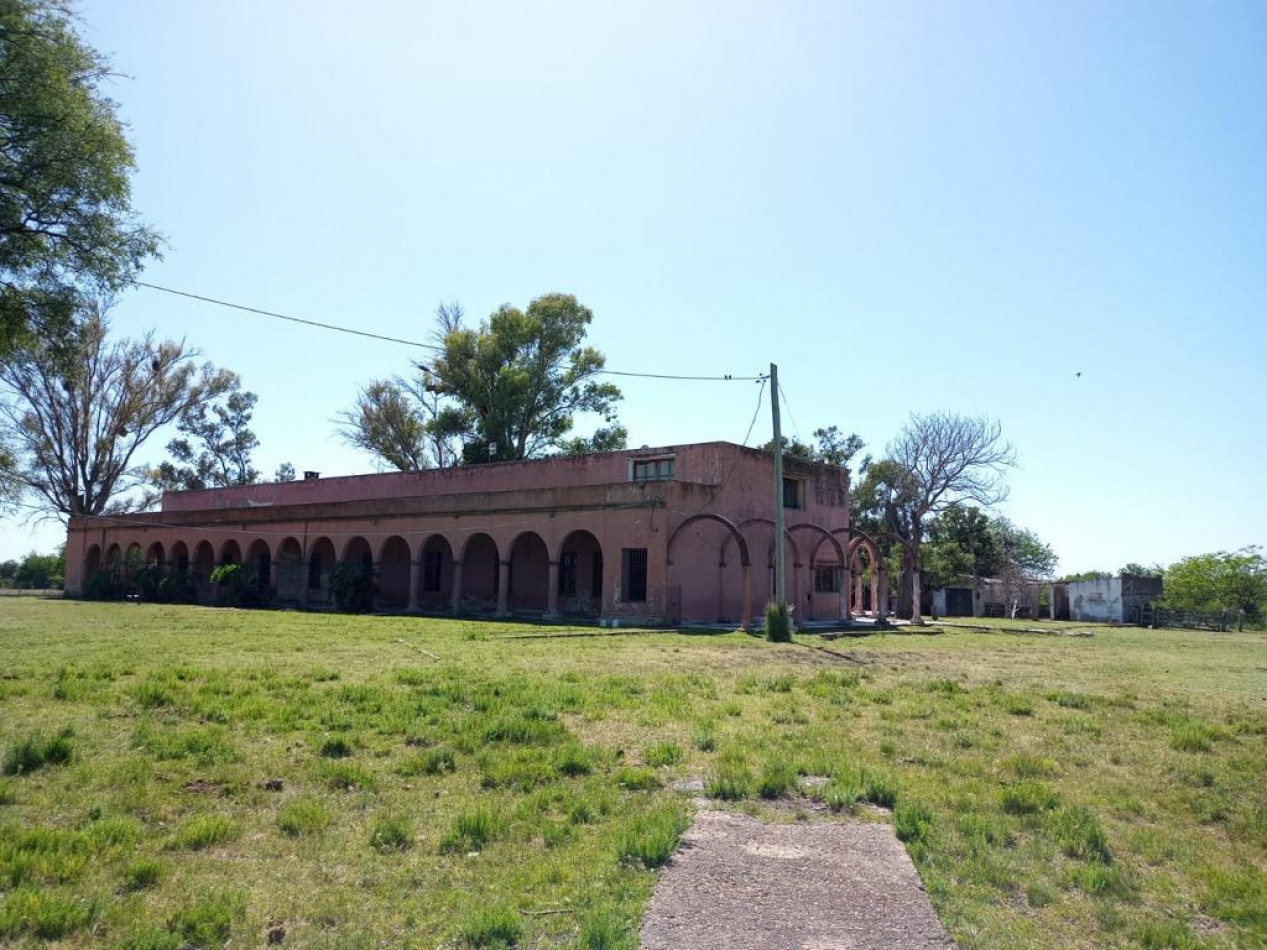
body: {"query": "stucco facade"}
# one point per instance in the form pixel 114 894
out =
pixel 663 536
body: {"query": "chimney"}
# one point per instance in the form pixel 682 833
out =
pixel 311 476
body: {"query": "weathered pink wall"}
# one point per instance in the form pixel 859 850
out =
pixel 396 514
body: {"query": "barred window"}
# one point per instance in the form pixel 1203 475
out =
pixel 634 572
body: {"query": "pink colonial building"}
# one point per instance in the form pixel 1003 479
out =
pixel 650 536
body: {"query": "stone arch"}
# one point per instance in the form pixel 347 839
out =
pixel 204 564
pixel 259 562
pixel 833 601
pixel 701 588
pixel 529 587
pixel 290 571
pixel 321 561
pixel 435 581
pixel 179 557
pixel 729 525
pixel 866 598
pixel 134 560
pixel 114 562
pixel 481 574
pixel 580 584
pixel 156 557
pixel 92 565
pixel 230 552
pixel 357 550
pixel 762 575
pixel 393 573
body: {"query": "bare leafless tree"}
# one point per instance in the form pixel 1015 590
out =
pixel 74 424
pixel 944 459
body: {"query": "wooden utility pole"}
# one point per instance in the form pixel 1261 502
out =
pixel 780 589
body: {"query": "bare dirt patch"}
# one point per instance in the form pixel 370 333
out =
pixel 741 884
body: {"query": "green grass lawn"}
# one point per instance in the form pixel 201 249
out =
pixel 178 777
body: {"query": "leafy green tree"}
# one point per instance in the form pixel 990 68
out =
pixel 1023 551
pixel 519 381
pixel 216 444
pixel 510 389
pixel 963 540
pixel 1235 580
pixel 67 227
pixel 77 425
pixel 285 473
pixel 1083 576
pixel 830 447
pixel 40 571
pixel 387 422
pixel 8 570
pixel 1139 570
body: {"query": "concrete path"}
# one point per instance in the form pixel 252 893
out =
pixel 742 884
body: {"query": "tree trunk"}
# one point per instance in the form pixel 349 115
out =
pixel 916 618
pixel 913 554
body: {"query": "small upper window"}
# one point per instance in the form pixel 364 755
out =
pixel 793 493
pixel 653 470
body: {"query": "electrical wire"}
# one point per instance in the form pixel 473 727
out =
pixel 727 377
pixel 282 316
pixel 788 406
pixel 747 435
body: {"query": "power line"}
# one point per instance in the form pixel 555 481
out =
pixel 282 316
pixel 747 435
pixel 727 377
pixel 788 407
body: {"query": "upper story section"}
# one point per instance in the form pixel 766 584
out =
pixel 744 476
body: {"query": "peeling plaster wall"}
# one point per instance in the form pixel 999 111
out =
pixel 1098 601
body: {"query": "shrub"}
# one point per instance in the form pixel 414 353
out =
pixel 1079 834
pixel 777 779
pixel 392 834
pixel 101 587
pixel 841 794
pixel 778 623
pixel 653 838
pixel 605 928
pixel 209 922
pixel 230 581
pixel 346 776
pixel 878 788
pixel 204 831
pixel 471 831
pixel 336 748
pixel 1027 798
pixel 177 588
pixel 35 752
pixel 142 874
pixel 236 586
pixel 638 780
pixel 44 914
pixel 1018 705
pixel 1191 735
pixel 911 821
pixel 732 782
pixel 573 761
pixel 491 927
pixel 352 585
pixel 303 816
pixel 431 762
pixel 662 753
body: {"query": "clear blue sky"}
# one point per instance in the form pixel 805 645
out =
pixel 907 206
